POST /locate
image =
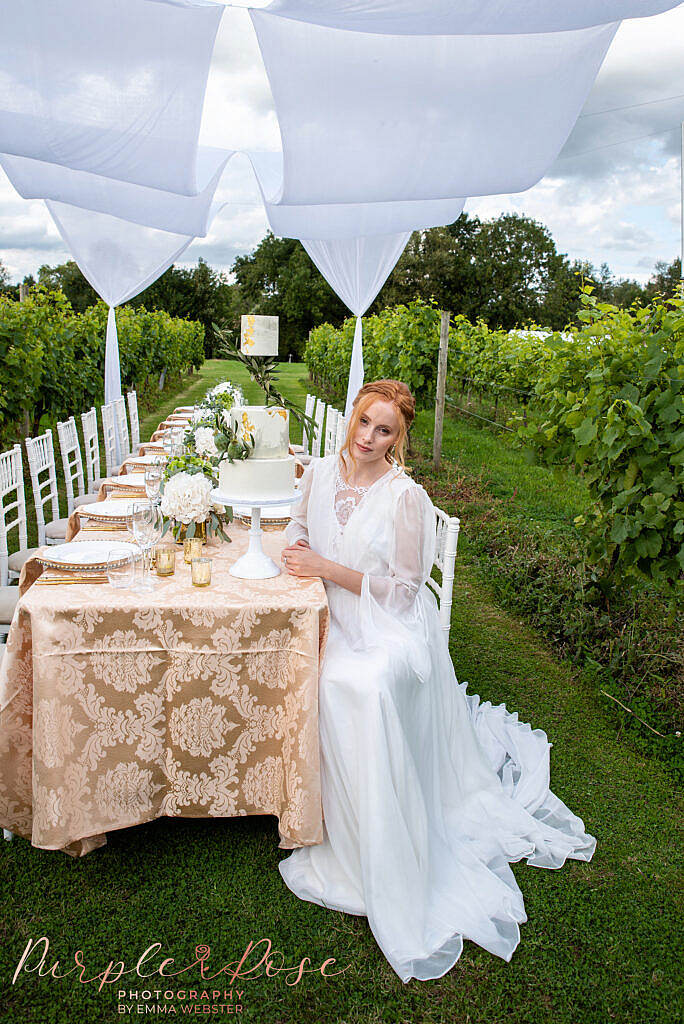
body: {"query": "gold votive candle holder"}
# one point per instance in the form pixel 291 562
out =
pixel 201 571
pixel 165 559
pixel 192 548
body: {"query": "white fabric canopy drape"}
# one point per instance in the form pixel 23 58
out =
pixel 466 17
pixel 378 118
pixel 113 88
pixel 390 113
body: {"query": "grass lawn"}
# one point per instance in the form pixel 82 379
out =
pixel 600 944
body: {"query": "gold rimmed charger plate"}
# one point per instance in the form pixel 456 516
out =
pixel 92 563
pixel 111 511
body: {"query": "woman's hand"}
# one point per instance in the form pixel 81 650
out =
pixel 300 560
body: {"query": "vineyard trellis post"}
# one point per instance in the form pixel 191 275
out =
pixel 441 387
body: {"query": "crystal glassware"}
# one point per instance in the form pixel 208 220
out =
pixel 144 514
pixel 153 479
pixel 120 571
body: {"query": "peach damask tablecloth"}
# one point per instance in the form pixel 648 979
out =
pixel 117 708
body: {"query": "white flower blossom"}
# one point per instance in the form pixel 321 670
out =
pixel 204 442
pixel 187 497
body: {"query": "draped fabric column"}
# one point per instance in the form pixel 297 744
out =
pixel 119 259
pixel 357 268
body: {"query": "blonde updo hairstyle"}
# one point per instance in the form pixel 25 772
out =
pixel 405 404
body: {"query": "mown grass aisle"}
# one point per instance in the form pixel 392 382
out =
pixel 600 944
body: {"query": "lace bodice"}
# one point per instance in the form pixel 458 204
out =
pixel 347 497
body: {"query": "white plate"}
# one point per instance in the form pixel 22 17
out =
pixel 115 509
pixel 142 460
pixel 86 554
pixel 127 480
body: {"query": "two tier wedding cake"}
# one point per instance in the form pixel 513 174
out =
pixel 269 472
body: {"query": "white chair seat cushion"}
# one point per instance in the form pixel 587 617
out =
pixel 86 499
pixel 56 530
pixel 297 448
pixel 16 561
pixel 8 602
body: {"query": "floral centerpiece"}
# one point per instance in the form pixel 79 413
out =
pixel 186 500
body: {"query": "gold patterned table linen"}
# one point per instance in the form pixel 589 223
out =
pixel 117 708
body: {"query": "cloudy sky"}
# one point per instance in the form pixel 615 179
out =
pixel 613 195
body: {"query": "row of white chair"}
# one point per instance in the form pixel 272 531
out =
pixel 43 473
pixel 328 434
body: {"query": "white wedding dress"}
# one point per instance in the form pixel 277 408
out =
pixel 428 794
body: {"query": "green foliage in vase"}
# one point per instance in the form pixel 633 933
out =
pixel 191 464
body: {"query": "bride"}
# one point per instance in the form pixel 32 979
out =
pixel 428 795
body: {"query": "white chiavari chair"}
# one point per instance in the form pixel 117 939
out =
pixel 122 427
pixel 41 459
pixel 319 417
pixel 314 449
pixel 305 447
pixel 91 450
pixel 447 528
pixel 341 431
pixel 109 439
pixel 72 464
pixel 135 421
pixel 331 418
pixel 11 502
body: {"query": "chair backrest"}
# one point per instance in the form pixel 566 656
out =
pixel 72 463
pixel 135 422
pixel 109 437
pixel 341 431
pixel 330 430
pixel 122 427
pixel 12 488
pixel 309 411
pixel 445 558
pixel 319 414
pixel 41 459
pixel 91 447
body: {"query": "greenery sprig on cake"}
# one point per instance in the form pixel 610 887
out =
pixel 262 370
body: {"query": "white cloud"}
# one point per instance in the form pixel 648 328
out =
pixel 617 203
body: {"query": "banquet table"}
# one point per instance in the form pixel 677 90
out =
pixel 118 707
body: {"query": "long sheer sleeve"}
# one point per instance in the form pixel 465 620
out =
pixel 390 615
pixel 413 553
pixel 298 528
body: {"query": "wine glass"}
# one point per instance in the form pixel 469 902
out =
pixel 153 479
pixel 142 522
pixel 177 441
pixel 168 441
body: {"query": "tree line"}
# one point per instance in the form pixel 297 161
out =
pixel 506 272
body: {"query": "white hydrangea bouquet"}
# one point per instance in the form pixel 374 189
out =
pixel 186 502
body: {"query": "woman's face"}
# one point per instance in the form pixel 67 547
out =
pixel 378 429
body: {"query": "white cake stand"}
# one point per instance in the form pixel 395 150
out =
pixel 255 564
